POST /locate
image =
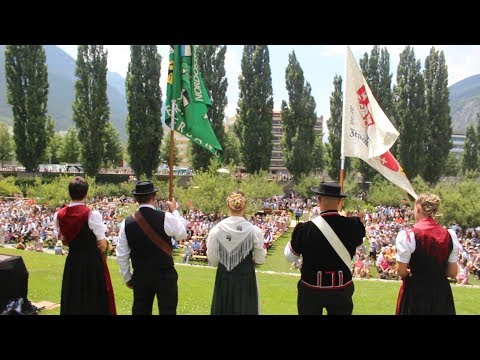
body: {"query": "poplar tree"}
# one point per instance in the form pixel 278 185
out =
pixel 231 149
pixel 70 151
pixel 165 151
pixel 409 102
pixel 144 101
pixel 334 125
pixel 298 121
pixel 53 153
pixel 384 94
pixel 211 62
pixel 27 93
pixel 255 106
pixel 470 150
pixel 438 122
pixel 6 144
pixel 113 153
pixel 318 159
pixel 90 107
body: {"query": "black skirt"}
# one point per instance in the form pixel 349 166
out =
pixel 83 287
pixel 425 297
pixel 235 291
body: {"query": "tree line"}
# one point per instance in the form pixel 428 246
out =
pixel 417 104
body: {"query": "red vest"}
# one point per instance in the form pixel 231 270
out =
pixel 70 221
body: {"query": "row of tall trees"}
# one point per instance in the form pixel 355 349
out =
pixel 418 106
pixel 27 84
pixel 250 142
pixel 33 129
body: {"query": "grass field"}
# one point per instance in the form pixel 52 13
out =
pixel 276 282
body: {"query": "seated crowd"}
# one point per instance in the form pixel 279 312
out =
pixel 29 226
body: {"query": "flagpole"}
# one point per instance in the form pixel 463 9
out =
pixel 344 112
pixel 172 127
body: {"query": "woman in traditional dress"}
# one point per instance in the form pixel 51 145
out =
pixel 86 285
pixel 426 256
pixel 235 245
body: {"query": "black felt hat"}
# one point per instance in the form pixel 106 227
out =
pixel 144 187
pixel 331 189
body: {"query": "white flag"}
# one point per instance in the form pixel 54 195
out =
pixel 367 133
pixel 388 166
pixel 366 130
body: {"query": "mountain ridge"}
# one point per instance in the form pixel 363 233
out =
pixel 464 102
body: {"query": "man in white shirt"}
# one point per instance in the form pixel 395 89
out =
pixel 153 268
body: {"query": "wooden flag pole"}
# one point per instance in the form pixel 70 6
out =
pixel 172 126
pixel 342 177
pixel 344 112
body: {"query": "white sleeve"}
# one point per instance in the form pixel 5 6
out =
pixel 259 252
pixel 453 257
pixel 95 223
pixel 379 259
pixel 123 254
pixel 175 225
pixel 405 246
pixel 289 253
pixel 212 247
pixel 55 226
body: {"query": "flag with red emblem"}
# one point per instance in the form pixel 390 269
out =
pixel 388 166
pixel 367 133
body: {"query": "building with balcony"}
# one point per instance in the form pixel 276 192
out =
pixel 458 143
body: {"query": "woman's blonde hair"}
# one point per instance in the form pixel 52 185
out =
pixel 429 203
pixel 236 201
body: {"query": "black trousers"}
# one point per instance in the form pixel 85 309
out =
pixel 163 284
pixel 313 301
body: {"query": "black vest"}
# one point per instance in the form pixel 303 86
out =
pixel 145 255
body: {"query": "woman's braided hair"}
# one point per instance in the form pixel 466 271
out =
pixel 236 201
pixel 429 203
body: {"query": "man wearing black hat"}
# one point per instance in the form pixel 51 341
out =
pixel 153 268
pixel 326 280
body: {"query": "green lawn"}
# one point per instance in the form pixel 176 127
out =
pixel 277 291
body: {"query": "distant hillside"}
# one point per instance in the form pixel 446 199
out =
pixel 61 79
pixel 464 103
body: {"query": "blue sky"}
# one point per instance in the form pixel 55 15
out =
pixel 320 63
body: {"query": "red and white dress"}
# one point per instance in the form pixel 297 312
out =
pixel 428 247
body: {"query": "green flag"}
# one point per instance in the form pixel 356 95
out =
pixel 185 85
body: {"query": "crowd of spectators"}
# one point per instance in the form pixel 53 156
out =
pixel 24 224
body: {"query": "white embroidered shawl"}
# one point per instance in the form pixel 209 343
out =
pixel 230 241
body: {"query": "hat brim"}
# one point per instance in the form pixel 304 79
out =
pixel 144 193
pixel 317 191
